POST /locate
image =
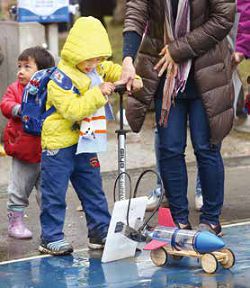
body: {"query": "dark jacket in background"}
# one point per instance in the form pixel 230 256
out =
pixel 97 8
pixel 211 20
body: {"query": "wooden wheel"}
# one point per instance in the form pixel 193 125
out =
pixel 159 257
pixel 230 258
pixel 209 263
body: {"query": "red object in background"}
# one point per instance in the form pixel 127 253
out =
pixel 17 143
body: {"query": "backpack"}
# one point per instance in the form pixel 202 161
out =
pixel 33 107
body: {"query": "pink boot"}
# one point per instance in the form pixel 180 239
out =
pixel 16 228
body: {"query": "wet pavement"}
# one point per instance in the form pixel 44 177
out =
pixel 140 155
pixel 84 269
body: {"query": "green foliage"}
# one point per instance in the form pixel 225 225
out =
pixel 115 36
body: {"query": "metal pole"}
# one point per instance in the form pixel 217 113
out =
pixel 122 154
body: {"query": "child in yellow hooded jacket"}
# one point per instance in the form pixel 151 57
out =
pixel 83 60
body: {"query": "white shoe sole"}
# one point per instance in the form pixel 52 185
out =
pixel 44 250
pixel 92 246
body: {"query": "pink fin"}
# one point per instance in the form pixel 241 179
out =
pixel 165 217
pixel 154 244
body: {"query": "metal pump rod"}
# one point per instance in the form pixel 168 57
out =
pixel 121 134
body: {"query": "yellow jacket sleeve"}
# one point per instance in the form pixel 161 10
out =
pixel 111 71
pixel 74 107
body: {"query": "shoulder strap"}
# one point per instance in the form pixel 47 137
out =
pixel 47 113
pixel 63 81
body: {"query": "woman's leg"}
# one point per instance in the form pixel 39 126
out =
pixel 210 164
pixel 172 144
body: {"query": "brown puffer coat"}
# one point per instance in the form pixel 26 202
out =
pixel 211 20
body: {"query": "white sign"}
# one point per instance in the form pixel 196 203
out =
pixel 43 11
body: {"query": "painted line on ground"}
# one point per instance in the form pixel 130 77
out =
pixel 37 257
pixel 236 224
pixel 86 249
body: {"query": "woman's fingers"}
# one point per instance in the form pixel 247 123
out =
pixel 129 85
pixel 175 70
pixel 163 51
pixel 170 68
pixel 159 63
pixel 164 67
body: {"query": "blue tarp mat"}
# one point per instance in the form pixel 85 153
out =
pixel 84 269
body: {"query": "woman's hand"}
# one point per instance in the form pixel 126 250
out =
pixel 128 72
pixel 166 63
pixel 137 84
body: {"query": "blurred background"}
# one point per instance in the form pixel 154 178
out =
pixel 27 23
pixel 21 28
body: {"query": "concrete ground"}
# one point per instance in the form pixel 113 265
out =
pixel 140 155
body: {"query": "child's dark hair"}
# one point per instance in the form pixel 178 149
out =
pixel 41 56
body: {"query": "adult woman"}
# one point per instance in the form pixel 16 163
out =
pixel 183 58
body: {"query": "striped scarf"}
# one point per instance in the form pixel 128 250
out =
pixel 174 30
pixel 93 130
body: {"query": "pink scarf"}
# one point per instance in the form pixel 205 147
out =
pixel 174 31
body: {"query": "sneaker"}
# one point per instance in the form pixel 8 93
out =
pixel 153 200
pixel 186 226
pixel 96 243
pixel 198 202
pixel 56 248
pixel 215 229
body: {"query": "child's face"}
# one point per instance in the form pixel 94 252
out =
pixel 89 65
pixel 25 70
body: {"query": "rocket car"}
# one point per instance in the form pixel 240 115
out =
pixel 168 240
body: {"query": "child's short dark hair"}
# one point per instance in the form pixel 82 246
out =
pixel 41 56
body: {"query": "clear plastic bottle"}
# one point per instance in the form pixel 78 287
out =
pixel 179 239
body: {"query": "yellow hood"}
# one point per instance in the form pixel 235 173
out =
pixel 87 39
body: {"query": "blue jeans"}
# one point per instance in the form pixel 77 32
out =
pixel 57 168
pixel 172 159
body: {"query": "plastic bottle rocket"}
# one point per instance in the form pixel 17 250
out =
pixel 181 239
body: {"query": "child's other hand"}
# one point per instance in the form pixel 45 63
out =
pixel 137 84
pixel 107 88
